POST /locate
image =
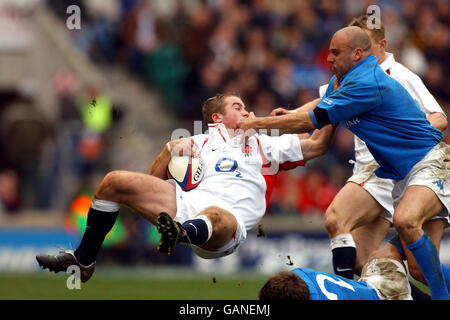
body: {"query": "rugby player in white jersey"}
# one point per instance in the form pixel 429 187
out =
pixel 214 217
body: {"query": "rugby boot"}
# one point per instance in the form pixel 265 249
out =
pixel 62 261
pixel 171 232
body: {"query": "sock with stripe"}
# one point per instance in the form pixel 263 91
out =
pixel 199 230
pixel 343 249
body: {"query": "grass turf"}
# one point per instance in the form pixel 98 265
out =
pixel 43 286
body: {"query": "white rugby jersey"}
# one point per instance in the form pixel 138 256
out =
pixel 245 179
pixel 415 87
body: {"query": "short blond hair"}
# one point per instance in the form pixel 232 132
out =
pixel 215 105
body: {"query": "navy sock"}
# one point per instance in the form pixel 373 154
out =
pixel 425 253
pixel 344 259
pixel 197 231
pixel 98 224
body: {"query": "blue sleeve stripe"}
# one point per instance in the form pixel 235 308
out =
pixel 313 119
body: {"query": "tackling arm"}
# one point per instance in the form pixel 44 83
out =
pixel 296 122
pixel 308 106
pixel 437 120
pixel 319 142
pixel 159 166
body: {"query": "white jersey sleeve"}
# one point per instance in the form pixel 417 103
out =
pixel 284 151
pixel 416 88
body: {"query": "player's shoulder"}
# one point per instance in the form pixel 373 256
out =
pixel 200 138
pixel 400 72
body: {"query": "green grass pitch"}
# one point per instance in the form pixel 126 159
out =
pixel 126 286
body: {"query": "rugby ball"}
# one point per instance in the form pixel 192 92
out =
pixel 187 171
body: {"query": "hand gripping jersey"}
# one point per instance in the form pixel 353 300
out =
pixel 326 286
pixel 244 178
pixel 378 110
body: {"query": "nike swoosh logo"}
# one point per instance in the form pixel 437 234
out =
pixel 213 150
pixel 345 269
pixel 196 231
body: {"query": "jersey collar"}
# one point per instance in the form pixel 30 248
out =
pixel 371 59
pixel 218 132
pixel 388 63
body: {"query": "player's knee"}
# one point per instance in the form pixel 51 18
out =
pixel 108 188
pixel 221 221
pixel 213 215
pixel 405 224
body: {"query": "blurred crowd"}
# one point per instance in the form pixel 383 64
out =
pixel 271 53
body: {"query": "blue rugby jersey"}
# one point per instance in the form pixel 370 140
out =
pixel 379 110
pixel 326 286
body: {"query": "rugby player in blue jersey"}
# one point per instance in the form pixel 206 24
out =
pixel 408 149
pixel 383 277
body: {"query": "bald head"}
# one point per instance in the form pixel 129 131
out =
pixel 354 37
pixel 348 47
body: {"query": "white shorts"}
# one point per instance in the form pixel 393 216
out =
pixel 388 277
pixel 380 189
pixel 432 170
pixel 191 203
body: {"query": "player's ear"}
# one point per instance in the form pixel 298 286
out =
pixel 357 53
pixel 383 43
pixel 216 117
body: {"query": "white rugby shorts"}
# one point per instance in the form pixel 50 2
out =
pixel 191 203
pixel 432 171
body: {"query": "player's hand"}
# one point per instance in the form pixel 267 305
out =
pixel 245 128
pixel 279 112
pixel 184 147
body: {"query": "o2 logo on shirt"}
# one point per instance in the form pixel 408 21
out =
pixel 228 165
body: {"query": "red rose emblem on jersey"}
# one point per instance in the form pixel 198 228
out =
pixel 248 150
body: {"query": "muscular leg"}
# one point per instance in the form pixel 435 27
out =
pixel 369 238
pixel 146 194
pixel 434 229
pixel 418 205
pixel 352 207
pixel 224 226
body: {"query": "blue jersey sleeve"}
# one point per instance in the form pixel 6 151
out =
pixel 350 101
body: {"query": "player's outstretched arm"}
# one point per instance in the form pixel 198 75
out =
pixel 296 122
pixel 318 143
pixel 308 106
pixel 438 120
